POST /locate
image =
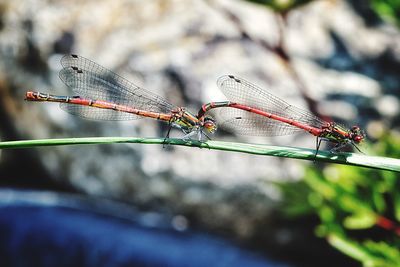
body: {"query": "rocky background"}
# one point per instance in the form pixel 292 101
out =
pixel 335 57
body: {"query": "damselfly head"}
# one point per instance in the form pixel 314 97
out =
pixel 356 134
pixel 209 124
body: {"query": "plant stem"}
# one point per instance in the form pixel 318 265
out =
pixel 354 159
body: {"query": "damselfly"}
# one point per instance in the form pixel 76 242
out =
pixel 104 95
pixel 253 111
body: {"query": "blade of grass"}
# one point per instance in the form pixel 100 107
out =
pixel 382 163
pixel 351 249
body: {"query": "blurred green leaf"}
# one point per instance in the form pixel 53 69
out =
pixel 396 201
pixel 281 6
pixel 351 249
pixel 359 201
pixel 327 214
pixel 389 10
pixel 361 220
pixel 315 199
pixel 295 199
pixel 350 203
pixel 384 250
pixel 313 179
pixel 379 201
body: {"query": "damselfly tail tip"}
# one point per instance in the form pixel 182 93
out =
pixel 36 96
pixel 29 95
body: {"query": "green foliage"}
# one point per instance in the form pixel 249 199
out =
pixel 351 204
pixel 370 253
pixel 389 10
pixel 281 6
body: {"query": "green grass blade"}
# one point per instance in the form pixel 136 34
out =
pixel 354 159
pixel 351 249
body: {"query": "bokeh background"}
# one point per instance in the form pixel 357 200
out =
pixel 339 59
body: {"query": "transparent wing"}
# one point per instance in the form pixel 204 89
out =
pixel 240 91
pixel 247 123
pixel 92 113
pixel 90 80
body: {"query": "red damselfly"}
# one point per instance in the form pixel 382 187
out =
pixel 104 95
pixel 254 111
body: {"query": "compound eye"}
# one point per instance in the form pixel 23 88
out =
pixel 357 138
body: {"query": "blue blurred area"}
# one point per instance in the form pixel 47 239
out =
pixel 47 232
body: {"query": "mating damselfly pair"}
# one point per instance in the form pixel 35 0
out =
pixel 104 95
